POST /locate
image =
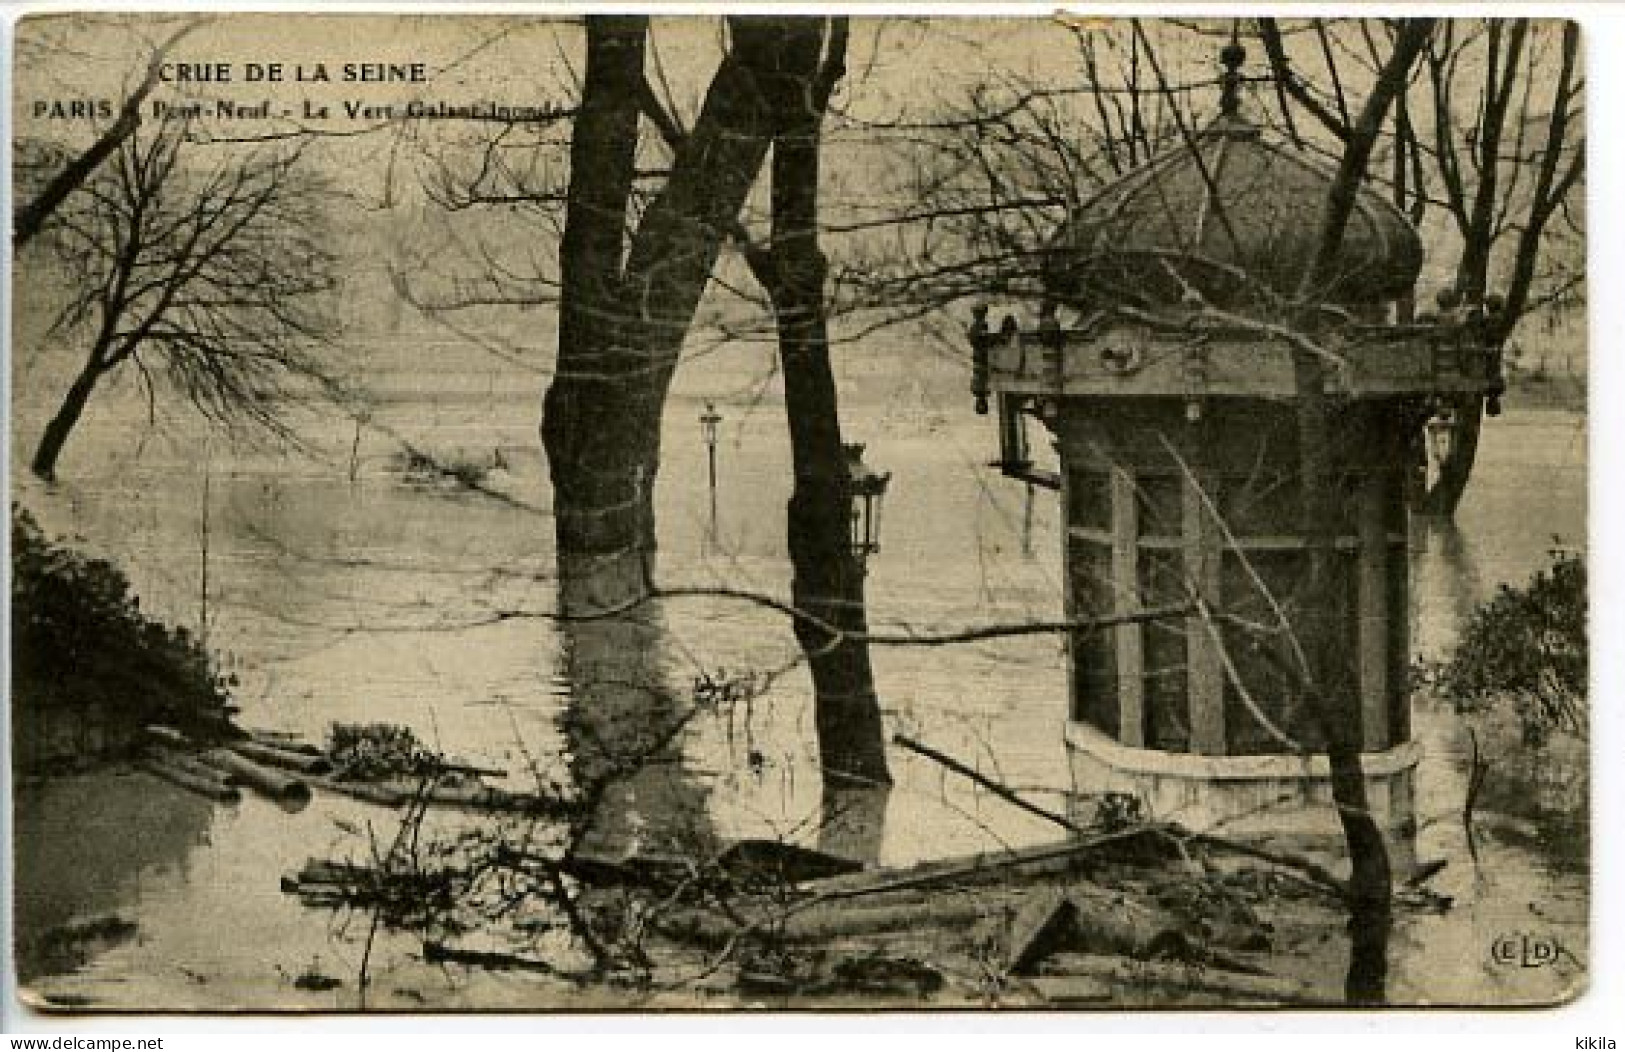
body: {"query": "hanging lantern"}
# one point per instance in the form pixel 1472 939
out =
pixel 866 491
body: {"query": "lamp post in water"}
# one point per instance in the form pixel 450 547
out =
pixel 709 421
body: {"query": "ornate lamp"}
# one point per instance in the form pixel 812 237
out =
pixel 866 491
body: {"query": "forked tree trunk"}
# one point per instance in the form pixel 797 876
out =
pixel 682 233
pixel 31 217
pixel 622 326
pixel 828 577
pixel 62 424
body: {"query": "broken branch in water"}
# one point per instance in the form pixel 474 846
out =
pixel 1001 791
pixel 1317 873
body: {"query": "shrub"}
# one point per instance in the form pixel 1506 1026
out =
pixel 423 468
pixel 79 639
pixel 370 752
pixel 1527 647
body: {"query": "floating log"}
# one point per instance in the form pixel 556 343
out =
pixel 185 779
pixel 822 921
pixel 321 877
pixel 370 792
pixel 168 735
pixel 320 898
pixel 187 761
pixel 645 870
pixel 782 863
pixel 472 797
pixel 276 756
pixel 1047 859
pixel 489 798
pixel 326 871
pixel 1045 923
pixel 457 766
pixel 265 780
pixel 1110 922
pixel 287 741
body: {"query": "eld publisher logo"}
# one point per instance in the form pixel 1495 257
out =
pixel 1525 951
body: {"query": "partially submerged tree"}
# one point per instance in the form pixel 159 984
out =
pixel 624 313
pixel 211 270
pixel 1328 678
pixel 828 582
pixel 634 265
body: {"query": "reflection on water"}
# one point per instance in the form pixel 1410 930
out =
pixel 1446 584
pixel 1369 936
pixel 85 846
pixel 1527 494
pixel 623 725
pixel 853 823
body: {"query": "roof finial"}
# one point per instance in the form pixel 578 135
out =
pixel 1232 55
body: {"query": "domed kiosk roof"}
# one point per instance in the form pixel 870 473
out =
pixel 1234 207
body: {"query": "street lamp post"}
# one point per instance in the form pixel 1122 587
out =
pixel 866 492
pixel 709 421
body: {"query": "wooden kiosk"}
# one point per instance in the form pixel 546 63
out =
pixel 1179 461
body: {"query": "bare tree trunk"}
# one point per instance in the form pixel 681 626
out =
pixel 684 228
pixel 592 460
pixel 1330 682
pixel 1456 467
pixel 1483 222
pixel 828 577
pixel 602 416
pixel 62 424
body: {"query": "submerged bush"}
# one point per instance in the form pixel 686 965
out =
pixel 1526 647
pixel 459 468
pixel 80 640
pixel 370 752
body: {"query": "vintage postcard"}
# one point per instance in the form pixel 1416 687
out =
pixel 543 512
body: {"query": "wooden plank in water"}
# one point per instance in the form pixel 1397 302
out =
pixel 275 756
pixel 264 780
pixel 192 782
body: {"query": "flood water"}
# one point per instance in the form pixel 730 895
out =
pixel 368 599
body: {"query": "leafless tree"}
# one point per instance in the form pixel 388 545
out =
pixel 828 574
pixel 210 271
pixel 988 178
pixel 1486 135
pixel 639 240
pixel 71 170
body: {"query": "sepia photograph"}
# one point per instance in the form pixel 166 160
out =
pixel 637 512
